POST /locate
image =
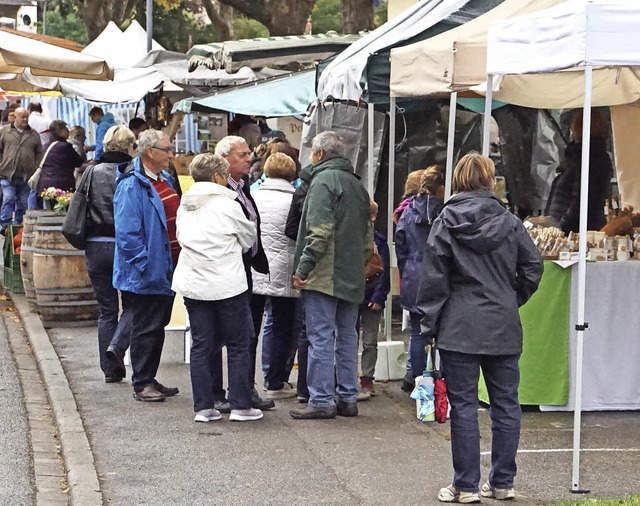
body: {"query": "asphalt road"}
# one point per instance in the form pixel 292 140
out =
pixel 156 455
pixel 17 481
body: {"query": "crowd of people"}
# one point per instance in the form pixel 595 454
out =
pixel 259 245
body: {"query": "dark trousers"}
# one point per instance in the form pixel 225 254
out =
pixel 282 341
pixel 215 324
pixel 502 376
pixel 150 314
pixel 111 331
pixel 256 307
pixel 303 352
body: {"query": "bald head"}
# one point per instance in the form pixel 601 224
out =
pixel 22 118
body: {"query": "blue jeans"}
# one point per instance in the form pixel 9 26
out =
pixel 15 193
pixel 417 343
pixel 111 330
pixel 34 201
pixel 214 324
pixel 502 376
pixel 331 331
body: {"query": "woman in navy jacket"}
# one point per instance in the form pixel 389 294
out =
pixel 61 160
pixel 411 241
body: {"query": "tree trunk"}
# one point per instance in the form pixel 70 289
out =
pixel 221 17
pixel 357 15
pixel 96 14
pixel 281 17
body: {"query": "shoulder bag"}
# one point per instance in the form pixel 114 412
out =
pixel 74 227
pixel 35 178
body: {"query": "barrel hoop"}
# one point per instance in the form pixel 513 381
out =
pixel 71 303
pixel 58 252
pixel 64 291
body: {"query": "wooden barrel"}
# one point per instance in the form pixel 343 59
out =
pixel 63 290
pixel 26 254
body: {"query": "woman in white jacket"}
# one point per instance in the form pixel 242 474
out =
pixel 213 233
pixel 273 199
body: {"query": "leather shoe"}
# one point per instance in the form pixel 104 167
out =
pixel 149 394
pixel 260 403
pixel 222 405
pixel 345 408
pixel 112 379
pixel 310 412
pixel 117 361
pixel 167 391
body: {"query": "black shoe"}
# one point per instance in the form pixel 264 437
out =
pixel 408 383
pixel 117 361
pixel 310 412
pixel 345 408
pixel 167 391
pixel 222 405
pixel 260 403
pixel 112 379
pixel 149 394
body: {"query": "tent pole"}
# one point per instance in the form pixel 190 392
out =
pixel 487 115
pixel 372 170
pixel 581 325
pixel 149 26
pixel 390 198
pixel 451 137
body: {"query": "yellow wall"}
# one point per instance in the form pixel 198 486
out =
pixel 395 7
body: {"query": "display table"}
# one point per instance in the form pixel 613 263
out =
pixel 611 376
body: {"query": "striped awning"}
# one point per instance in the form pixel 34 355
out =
pixel 295 50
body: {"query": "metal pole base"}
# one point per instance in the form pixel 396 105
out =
pixel 580 491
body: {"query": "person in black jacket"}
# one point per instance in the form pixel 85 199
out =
pixel 236 151
pixel 113 335
pixel 480 265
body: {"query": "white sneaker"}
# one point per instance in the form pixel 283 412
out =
pixel 245 415
pixel 502 494
pixel 207 415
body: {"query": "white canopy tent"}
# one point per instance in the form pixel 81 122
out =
pixel 569 39
pixel 450 62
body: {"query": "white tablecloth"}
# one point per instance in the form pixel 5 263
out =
pixel 611 366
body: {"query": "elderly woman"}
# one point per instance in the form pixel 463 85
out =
pixel 60 161
pixel 273 199
pixel 113 334
pixel 214 233
pixel 479 266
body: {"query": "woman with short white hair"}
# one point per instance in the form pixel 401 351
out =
pixel 213 234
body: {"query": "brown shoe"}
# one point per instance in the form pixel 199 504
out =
pixel 367 386
pixel 167 391
pixel 345 408
pixel 149 394
pixel 310 412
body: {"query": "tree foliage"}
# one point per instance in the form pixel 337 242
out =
pixel 66 25
pixel 326 16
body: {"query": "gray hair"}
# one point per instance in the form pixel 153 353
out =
pixel 205 165
pixel 118 138
pixel 225 145
pixel 148 139
pixel 330 143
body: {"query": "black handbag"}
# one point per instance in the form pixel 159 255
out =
pixel 74 227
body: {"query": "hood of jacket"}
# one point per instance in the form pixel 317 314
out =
pixel 200 193
pixel 275 184
pixel 426 208
pixel 108 118
pixel 306 174
pixel 478 220
pixel 338 162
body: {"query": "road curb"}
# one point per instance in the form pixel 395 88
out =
pixel 76 451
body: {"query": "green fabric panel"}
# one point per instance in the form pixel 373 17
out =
pixel 544 365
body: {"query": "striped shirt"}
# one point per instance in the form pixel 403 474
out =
pixel 247 205
pixel 170 202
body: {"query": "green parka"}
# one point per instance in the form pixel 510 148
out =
pixel 336 233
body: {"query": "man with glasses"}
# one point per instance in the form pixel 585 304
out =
pixel 145 207
pixel 236 151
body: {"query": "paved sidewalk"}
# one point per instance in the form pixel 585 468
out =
pixel 154 454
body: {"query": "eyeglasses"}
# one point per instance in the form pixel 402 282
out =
pixel 166 150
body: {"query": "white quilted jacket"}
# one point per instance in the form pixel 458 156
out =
pixel 273 199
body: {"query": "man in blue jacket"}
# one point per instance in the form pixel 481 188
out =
pixel 145 206
pixel 103 123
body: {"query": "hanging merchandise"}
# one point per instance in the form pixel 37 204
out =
pixel 423 393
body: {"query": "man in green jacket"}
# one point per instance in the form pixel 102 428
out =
pixel 335 240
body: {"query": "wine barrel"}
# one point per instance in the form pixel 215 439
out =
pixel 63 290
pixel 26 254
